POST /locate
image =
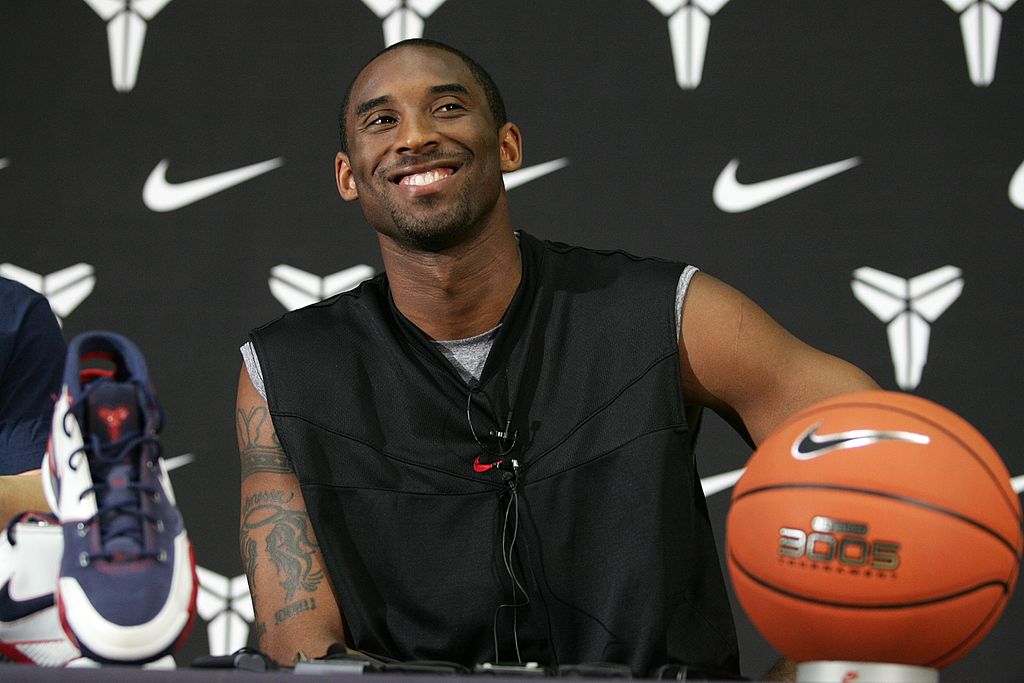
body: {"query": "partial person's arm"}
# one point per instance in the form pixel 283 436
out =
pixel 291 592
pixel 743 365
pixel 20 493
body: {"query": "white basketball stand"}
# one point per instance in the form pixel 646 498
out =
pixel 863 672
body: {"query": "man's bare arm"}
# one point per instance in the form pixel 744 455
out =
pixel 20 493
pixel 291 593
pixel 743 365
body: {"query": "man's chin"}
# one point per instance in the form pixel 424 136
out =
pixel 434 233
pixel 434 238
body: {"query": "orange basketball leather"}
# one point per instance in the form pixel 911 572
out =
pixel 875 527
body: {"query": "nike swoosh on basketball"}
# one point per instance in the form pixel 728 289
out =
pixel 525 175
pixel 1016 190
pixel 811 445
pixel 160 195
pixel 732 196
pixel 12 610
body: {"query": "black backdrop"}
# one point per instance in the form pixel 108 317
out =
pixel 786 86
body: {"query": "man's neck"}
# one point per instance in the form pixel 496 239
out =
pixel 457 293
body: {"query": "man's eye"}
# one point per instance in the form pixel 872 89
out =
pixel 450 106
pixel 382 120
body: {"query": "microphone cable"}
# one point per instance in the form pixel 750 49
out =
pixel 508 558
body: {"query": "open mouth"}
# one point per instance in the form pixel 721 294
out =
pixel 425 173
pixel 426 177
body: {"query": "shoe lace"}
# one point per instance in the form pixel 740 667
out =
pixel 124 517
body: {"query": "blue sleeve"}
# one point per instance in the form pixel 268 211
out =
pixel 32 351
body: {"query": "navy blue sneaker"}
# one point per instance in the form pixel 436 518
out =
pixel 127 586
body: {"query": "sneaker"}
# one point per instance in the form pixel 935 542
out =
pixel 30 552
pixel 127 586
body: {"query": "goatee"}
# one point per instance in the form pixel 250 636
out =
pixel 433 228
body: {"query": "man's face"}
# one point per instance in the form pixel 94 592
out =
pixel 425 156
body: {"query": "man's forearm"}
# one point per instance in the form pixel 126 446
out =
pixel 295 607
pixel 294 603
pixel 20 493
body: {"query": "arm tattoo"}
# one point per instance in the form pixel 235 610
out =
pixel 289 543
pixel 248 554
pixel 258 444
pixel 289 611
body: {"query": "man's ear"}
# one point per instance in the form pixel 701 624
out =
pixel 346 180
pixel 510 147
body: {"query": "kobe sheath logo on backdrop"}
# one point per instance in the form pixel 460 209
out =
pixel 225 605
pixel 64 289
pixel 981 25
pixel 689 24
pixel 1016 188
pixel 126 34
pixel 403 19
pixel 908 307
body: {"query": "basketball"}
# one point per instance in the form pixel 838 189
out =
pixel 874 527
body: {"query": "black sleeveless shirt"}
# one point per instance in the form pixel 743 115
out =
pixel 600 535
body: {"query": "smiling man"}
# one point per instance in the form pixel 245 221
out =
pixel 483 454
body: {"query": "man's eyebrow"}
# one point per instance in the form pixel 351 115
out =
pixel 370 104
pixel 384 99
pixel 449 87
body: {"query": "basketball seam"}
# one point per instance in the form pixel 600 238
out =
pixel 903 499
pixel 984 625
pixel 905 411
pixel 845 605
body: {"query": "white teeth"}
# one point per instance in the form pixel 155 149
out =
pixel 425 178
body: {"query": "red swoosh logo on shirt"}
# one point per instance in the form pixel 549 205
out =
pixel 484 466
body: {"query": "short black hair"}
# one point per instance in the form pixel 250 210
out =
pixel 494 99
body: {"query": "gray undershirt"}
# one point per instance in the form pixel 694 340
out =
pixel 466 355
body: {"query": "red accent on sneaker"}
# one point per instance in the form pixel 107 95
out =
pixel 101 360
pixel 114 418
pixel 89 374
pixel 192 601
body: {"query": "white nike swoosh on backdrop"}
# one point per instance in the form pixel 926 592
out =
pixel 1018 483
pixel 717 483
pixel 177 461
pixel 525 175
pixel 5 162
pixel 732 196
pixel 1016 190
pixel 160 195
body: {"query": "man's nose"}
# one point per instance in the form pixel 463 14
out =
pixel 417 133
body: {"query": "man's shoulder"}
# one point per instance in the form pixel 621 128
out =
pixel 597 254
pixel 573 262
